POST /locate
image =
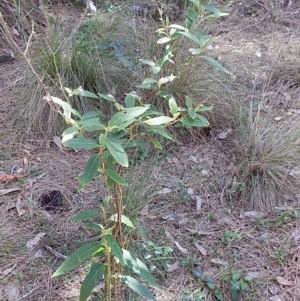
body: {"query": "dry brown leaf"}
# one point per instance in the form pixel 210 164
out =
pixel 5 272
pixel 38 254
pixel 198 203
pixel 200 248
pixel 15 32
pixel 145 210
pixel 164 191
pixel 275 298
pixel 20 170
pixel 38 159
pixel 255 274
pixel 220 252
pixel 193 159
pixel 172 267
pixel 58 143
pixel 27 152
pixel 284 281
pixel 153 217
pixel 33 242
pixel 13 292
pixel 219 261
pixel 25 161
pixel 18 206
pixel 169 236
pixel 9 190
pixel 4 177
pixel 253 214
pixel 181 249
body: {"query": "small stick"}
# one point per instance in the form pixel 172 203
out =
pixel 55 253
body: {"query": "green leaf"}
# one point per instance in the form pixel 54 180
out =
pixel 188 121
pixel 77 258
pixel 121 120
pixel 167 79
pixel 216 64
pixel 90 115
pixel 173 105
pixel 191 37
pixel 108 97
pixel 155 142
pixel 192 14
pixel 86 215
pixel 210 282
pixel 155 69
pixel 81 143
pixel 115 248
pixel 85 93
pixel 136 111
pixel 218 294
pixel 163 40
pixel 137 266
pixel 117 152
pixel 158 120
pixel 158 129
pixel 69 133
pixel 92 124
pixel 149 80
pixel 91 280
pixel 69 91
pixel 206 40
pixel 235 284
pixel 65 106
pixel 94 226
pixel 91 169
pixel 215 11
pixel 115 177
pixel 130 100
pixel 124 220
pixel 189 102
pixel 138 287
pixel 192 113
pixel 147 62
pixel 203 108
pixel 197 272
pixel 195 51
pixel 178 27
pixel 144 86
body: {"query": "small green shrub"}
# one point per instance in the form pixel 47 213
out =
pixel 125 129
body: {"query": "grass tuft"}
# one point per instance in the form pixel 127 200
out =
pixel 268 164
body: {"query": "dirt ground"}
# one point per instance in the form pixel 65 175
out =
pixel 189 206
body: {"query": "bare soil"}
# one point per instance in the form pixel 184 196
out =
pixel 191 209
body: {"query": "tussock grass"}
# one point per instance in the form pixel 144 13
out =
pixel 142 185
pixel 101 57
pixel 20 15
pixel 267 157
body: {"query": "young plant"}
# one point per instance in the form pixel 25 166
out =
pixel 281 252
pixel 175 71
pixel 157 256
pixel 128 128
pixel 206 279
pixel 230 236
pixel 238 285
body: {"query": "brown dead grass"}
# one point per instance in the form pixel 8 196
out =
pixel 207 167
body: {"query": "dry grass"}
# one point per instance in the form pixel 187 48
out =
pixel 262 153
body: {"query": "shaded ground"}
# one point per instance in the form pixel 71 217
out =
pixel 192 188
